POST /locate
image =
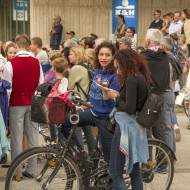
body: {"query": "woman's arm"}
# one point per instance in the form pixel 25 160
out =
pixel 74 76
pixel 123 28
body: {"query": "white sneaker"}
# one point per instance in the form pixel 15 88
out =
pixel 177 133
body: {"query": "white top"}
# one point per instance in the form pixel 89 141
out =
pixel 175 27
pixel 63 86
pixel 2 65
pixel 8 70
pixel 42 56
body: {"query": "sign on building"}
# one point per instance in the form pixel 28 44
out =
pixel 127 8
pixel 20 10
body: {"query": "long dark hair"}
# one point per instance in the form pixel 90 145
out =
pixel 122 17
pixel 110 68
pixel 187 13
pixel 131 63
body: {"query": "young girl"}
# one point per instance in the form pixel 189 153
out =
pixel 10 51
pixel 58 66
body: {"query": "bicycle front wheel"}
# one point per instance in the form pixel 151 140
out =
pixel 31 170
pixel 158 172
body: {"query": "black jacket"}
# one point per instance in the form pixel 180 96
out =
pixel 159 68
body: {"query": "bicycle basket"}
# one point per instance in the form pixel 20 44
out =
pixel 48 110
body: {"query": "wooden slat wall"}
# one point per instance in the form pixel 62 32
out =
pixel 146 9
pixel 82 16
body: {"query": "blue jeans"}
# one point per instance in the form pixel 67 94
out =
pixel 87 118
pixel 89 138
pixel 116 166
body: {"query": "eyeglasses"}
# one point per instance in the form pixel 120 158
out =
pixel 129 32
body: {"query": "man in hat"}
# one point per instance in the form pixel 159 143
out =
pixel 124 43
pixel 56 33
pixel 71 35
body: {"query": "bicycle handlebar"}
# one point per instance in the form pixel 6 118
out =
pixel 83 103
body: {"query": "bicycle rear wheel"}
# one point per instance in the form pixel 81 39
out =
pixel 159 171
pixel 31 170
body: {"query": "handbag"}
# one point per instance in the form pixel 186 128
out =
pixel 110 123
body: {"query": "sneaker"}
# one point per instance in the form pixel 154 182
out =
pixel 177 134
pixel 28 175
pixel 3 159
pixel 161 170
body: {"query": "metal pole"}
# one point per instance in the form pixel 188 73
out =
pixel 4 21
pixel 10 20
pixel 16 17
pixel 24 16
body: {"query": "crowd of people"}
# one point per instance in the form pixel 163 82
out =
pixel 114 88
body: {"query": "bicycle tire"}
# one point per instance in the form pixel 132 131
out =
pixel 68 176
pixel 160 157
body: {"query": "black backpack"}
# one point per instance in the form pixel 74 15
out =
pixel 45 88
pixel 91 76
pixel 151 111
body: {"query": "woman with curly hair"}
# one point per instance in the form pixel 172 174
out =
pixel 105 75
pixel 129 144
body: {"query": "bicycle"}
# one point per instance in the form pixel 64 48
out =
pixel 56 166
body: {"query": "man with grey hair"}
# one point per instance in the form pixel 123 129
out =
pixel 159 68
pixel 175 73
pixel 124 43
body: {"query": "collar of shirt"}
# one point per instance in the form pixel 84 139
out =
pixel 178 22
pixel 154 48
pixel 24 54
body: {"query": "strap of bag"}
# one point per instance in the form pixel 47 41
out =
pixel 55 86
pixel 79 88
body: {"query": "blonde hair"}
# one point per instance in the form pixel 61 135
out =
pixel 22 41
pixel 90 53
pixel 53 54
pixel 8 47
pixel 79 53
pixel 59 64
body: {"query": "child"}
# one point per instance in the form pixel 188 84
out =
pixel 58 67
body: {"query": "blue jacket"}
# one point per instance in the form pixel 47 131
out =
pixel 103 107
pixel 4 85
pixel 133 141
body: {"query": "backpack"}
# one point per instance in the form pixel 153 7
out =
pixel 176 68
pixel 45 88
pixel 151 110
pixel 90 76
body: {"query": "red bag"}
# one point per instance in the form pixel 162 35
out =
pixel 63 97
pixel 57 105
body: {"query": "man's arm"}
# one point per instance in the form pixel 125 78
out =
pixel 8 75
